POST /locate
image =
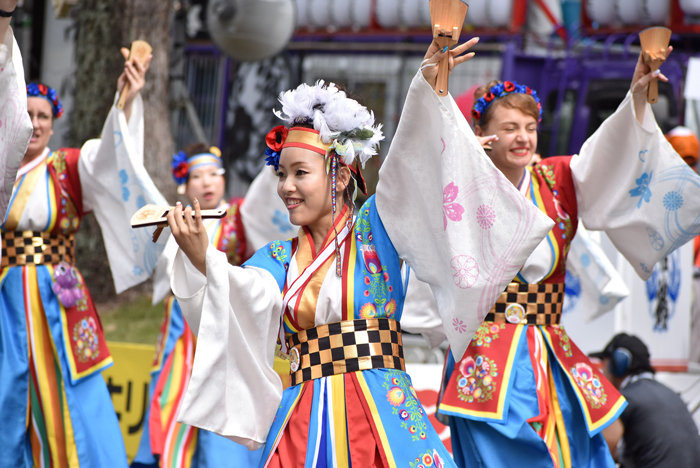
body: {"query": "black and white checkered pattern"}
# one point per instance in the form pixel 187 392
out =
pixel 541 303
pixel 34 247
pixel 347 346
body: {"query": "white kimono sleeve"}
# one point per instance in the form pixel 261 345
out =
pixel 235 313
pixel 451 214
pixel 631 184
pixel 115 185
pixel 15 126
pixel 164 268
pixel 264 215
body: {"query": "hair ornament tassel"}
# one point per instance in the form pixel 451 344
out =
pixel 334 185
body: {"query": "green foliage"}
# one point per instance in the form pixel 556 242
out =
pixel 134 322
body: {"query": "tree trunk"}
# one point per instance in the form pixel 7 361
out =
pixel 150 20
pixel 102 27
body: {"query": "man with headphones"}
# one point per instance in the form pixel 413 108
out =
pixel 656 429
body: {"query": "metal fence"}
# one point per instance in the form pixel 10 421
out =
pixel 205 81
pixel 381 80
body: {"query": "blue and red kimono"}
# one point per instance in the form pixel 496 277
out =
pixel 525 386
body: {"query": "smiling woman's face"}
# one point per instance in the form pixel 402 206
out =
pixel 304 186
pixel 517 138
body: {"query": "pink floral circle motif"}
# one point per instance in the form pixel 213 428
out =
pixel 485 216
pixel 459 325
pixel 465 271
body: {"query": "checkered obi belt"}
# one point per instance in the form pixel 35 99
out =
pixel 348 346
pixel 529 304
pixel 35 247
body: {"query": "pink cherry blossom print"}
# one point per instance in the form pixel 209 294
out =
pixel 459 325
pixel 465 271
pixel 450 209
pixel 485 216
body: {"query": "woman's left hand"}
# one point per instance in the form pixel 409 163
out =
pixel 643 75
pixel 135 74
pixel 435 54
pixel 640 82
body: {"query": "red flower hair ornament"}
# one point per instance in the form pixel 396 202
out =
pixel 275 141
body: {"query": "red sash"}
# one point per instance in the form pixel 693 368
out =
pixel 479 386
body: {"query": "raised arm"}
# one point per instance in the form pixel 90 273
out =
pixel 16 129
pixel 640 83
pixel 450 213
pixel 115 185
pixel 7 7
pixel 632 184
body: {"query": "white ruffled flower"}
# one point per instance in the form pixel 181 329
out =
pixel 343 122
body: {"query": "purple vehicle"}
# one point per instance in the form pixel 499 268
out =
pixel 583 86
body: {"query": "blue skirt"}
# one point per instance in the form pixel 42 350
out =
pixel 514 442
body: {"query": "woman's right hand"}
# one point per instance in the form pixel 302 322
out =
pixel 190 234
pixel 486 140
pixel 435 54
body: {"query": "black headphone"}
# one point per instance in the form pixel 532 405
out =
pixel 620 361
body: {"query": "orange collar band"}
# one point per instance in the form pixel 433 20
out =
pixel 307 138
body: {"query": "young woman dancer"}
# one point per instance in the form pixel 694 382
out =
pixel 524 394
pixel 54 404
pixel 199 171
pixel 334 294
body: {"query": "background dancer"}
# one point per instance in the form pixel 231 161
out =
pixel 524 393
pixel 53 401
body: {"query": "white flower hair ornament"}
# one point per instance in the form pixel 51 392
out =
pixel 343 126
pixel 343 132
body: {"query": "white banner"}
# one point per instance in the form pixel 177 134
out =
pixel 658 310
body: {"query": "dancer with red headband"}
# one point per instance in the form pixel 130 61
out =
pixel 54 404
pixel 524 394
pixel 334 294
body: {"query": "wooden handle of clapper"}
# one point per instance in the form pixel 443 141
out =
pixel 443 73
pixel 447 19
pixel 122 95
pixel 653 91
pixel 141 50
